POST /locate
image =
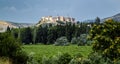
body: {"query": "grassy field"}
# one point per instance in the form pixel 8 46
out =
pixel 50 50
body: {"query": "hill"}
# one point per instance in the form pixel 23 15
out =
pixel 5 24
pixel 55 20
pixel 114 17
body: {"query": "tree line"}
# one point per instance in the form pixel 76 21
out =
pixel 48 34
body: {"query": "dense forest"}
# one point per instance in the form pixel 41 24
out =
pixel 48 34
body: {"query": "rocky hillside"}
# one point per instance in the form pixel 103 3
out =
pixel 5 24
pixel 55 20
pixel 115 17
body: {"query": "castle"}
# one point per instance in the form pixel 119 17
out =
pixel 58 18
pixel 51 19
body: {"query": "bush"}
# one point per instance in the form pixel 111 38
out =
pixel 77 59
pixel 89 42
pixel 118 62
pixel 31 59
pixel 65 58
pixel 106 39
pixel 74 40
pixel 85 61
pixel 11 49
pixel 46 60
pixel 62 41
pixel 82 40
pixel 96 58
pixel 54 59
pixel 20 58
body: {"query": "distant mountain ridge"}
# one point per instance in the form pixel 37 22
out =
pixel 5 24
pixel 114 17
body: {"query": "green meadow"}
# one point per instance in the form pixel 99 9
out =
pixel 50 50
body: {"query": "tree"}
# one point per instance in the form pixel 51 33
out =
pixel 52 35
pixel 26 35
pixel 106 39
pixel 42 34
pixel 8 29
pixel 34 35
pixel 97 20
pixel 69 30
pixel 10 48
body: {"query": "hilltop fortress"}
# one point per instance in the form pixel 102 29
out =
pixel 51 19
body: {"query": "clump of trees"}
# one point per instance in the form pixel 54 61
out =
pixel 106 37
pixel 48 34
pixel 11 48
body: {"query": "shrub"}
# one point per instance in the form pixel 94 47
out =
pixel 85 61
pixel 78 55
pixel 31 59
pixel 65 58
pixel 54 59
pixel 46 60
pixel 20 58
pixel 76 59
pixel 11 49
pixel 106 39
pixel 118 62
pixel 96 58
pixel 89 42
pixel 74 40
pixel 82 40
pixel 62 41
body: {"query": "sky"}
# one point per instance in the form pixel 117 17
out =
pixel 30 11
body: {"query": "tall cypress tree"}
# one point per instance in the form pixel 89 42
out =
pixel 26 35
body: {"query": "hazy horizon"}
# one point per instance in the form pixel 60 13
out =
pixel 30 11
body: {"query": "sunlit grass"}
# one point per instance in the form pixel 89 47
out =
pixel 50 50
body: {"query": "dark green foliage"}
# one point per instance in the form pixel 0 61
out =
pixel 77 59
pixel 70 29
pixel 86 61
pixel 10 48
pixel 42 34
pixel 64 59
pixel 97 20
pixel 15 33
pixel 46 60
pixel 52 35
pixel 48 34
pixel 8 44
pixel 78 55
pixel 20 57
pixel 106 39
pixel 97 58
pixel 26 35
pixel 8 29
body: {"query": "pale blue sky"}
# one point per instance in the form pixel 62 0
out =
pixel 30 11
